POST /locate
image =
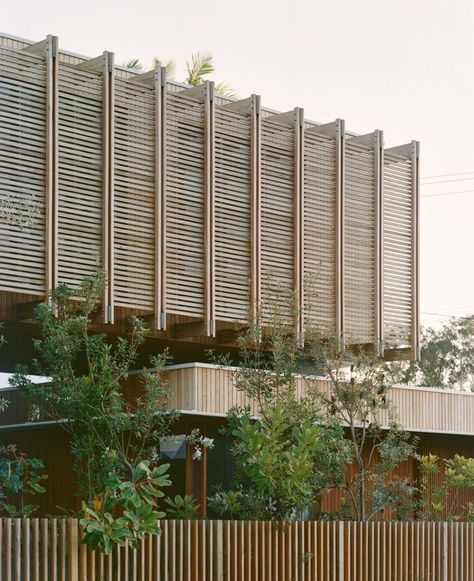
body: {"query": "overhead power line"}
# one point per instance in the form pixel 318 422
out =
pixel 446 194
pixel 447 175
pixel 447 181
pixel 439 315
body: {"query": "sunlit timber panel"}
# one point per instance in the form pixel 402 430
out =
pixel 80 171
pixel 23 171
pixel 232 214
pixel 203 207
pixel 320 224
pixel 277 211
pixel 210 389
pixel 185 205
pixel 134 193
pixel 359 242
pixel 398 248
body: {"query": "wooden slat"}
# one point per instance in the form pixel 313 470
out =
pixel 321 226
pixel 232 214
pixel 277 227
pixel 360 260
pixel 135 168
pixel 23 168
pixel 399 247
pixel 185 205
pixel 80 166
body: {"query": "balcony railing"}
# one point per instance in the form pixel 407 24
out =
pixel 200 209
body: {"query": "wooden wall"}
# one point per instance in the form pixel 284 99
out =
pixel 200 207
pixel 51 444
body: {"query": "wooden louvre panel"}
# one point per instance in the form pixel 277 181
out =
pixel 359 242
pixel 185 205
pixel 80 167
pixel 134 194
pixel 320 188
pixel 398 249
pixel 232 214
pixel 277 219
pixel 23 102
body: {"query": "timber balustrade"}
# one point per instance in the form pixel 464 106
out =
pixel 200 207
pixel 210 389
pixel 50 550
pixel 207 389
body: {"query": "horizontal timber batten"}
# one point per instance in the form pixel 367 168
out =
pixel 200 207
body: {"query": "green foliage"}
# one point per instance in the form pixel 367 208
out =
pixel 134 65
pixel 182 507
pixel 197 68
pixel 358 398
pixel 111 434
pixel 276 455
pixel 439 496
pixel 227 504
pixel 20 476
pixel 285 457
pixel 447 357
pixel 135 502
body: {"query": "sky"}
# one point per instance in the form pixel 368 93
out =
pixel 406 67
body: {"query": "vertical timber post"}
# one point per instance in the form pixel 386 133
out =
pixel 255 209
pixel 48 49
pixel 209 210
pixel 52 164
pixel 339 219
pixel 415 160
pixel 379 213
pixel 109 186
pixel 298 224
pixel 160 199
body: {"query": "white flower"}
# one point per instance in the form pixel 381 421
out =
pixel 197 454
pixel 207 442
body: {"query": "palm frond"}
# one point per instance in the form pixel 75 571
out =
pixel 170 66
pixel 200 65
pixel 225 90
pixel 134 64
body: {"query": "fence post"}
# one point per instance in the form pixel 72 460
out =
pixel 219 550
pixel 444 559
pixel 341 550
pixel 73 550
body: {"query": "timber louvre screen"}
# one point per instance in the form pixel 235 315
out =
pixel 193 210
pixel 23 171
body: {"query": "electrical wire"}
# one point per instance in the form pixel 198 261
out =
pixel 447 181
pixel 447 175
pixel 446 194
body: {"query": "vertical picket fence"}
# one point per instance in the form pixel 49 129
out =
pixel 50 550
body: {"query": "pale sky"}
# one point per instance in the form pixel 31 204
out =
pixel 406 67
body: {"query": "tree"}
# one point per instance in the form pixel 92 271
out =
pixel 358 398
pixel 285 455
pixel 197 68
pixel 114 438
pixel 447 357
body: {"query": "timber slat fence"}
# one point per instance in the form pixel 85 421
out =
pixel 49 550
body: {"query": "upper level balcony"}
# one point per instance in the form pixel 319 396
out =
pixel 200 208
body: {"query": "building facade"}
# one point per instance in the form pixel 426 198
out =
pixel 201 211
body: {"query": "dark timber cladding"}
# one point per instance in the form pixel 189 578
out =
pixel 200 208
